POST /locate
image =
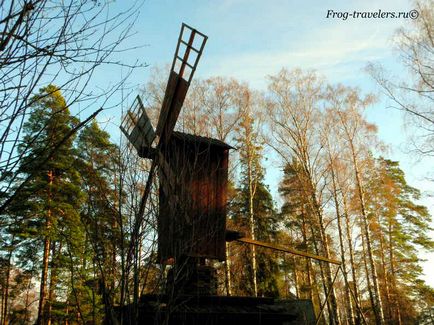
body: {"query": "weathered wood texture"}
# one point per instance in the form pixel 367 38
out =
pixel 192 216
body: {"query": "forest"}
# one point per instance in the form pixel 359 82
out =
pixel 74 248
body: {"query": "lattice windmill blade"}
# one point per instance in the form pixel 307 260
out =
pixel 188 52
pixel 136 125
pixel 138 129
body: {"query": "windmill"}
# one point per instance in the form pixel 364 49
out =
pixel 192 173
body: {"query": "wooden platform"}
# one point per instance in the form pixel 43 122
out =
pixel 216 310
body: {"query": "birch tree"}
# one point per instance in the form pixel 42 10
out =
pixel 413 90
pixel 348 106
pixel 294 112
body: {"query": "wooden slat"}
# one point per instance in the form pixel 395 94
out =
pixel 187 53
pixel 186 63
pixel 172 104
pixel 165 107
pixel 137 127
pixel 190 46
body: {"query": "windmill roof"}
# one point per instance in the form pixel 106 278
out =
pixel 201 140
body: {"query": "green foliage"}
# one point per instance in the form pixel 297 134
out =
pixel 69 201
pixel 264 214
pixel 298 221
pixel 53 194
pixel 266 229
pixel 97 163
pixel 403 225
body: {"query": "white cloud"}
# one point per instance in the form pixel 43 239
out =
pixel 334 51
pixel 255 40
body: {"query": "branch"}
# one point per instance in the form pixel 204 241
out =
pixel 4 206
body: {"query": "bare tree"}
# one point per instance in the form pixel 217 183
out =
pixel 212 106
pixel 413 92
pixel 294 113
pixel 359 136
pixel 44 42
pixel 331 144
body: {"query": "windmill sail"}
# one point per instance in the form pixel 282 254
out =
pixel 188 52
pixel 137 127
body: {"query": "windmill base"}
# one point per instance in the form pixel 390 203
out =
pixel 216 310
pixel 194 280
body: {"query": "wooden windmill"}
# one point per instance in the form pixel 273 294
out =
pixel 192 170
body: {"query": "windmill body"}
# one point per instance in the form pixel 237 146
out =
pixel 194 225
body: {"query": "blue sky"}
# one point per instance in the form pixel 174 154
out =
pixel 250 39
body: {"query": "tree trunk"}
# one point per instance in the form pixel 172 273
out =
pixel 316 293
pixel 136 281
pixel 228 272
pixel 1 305
pixel 323 278
pixel 53 278
pixel 393 274
pixel 41 320
pixel 352 263
pixel 378 308
pixel 308 272
pixel 296 282
pixel 386 278
pixel 349 306
pixel 5 299
pixel 368 279
pixel 252 221
pixel 28 303
pixel 334 315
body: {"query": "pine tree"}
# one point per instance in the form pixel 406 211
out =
pixel 97 162
pixel 402 228
pixel 47 206
pixel 299 219
pixel 253 208
pixel 266 224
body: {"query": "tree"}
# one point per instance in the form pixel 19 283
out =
pixel 47 206
pixel 330 140
pixel 403 228
pixel 414 94
pixel 265 228
pixel 347 106
pixel 45 42
pixel 294 114
pixel 299 220
pixel 98 161
pixel 212 107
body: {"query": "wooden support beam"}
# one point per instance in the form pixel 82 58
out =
pixel 287 250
